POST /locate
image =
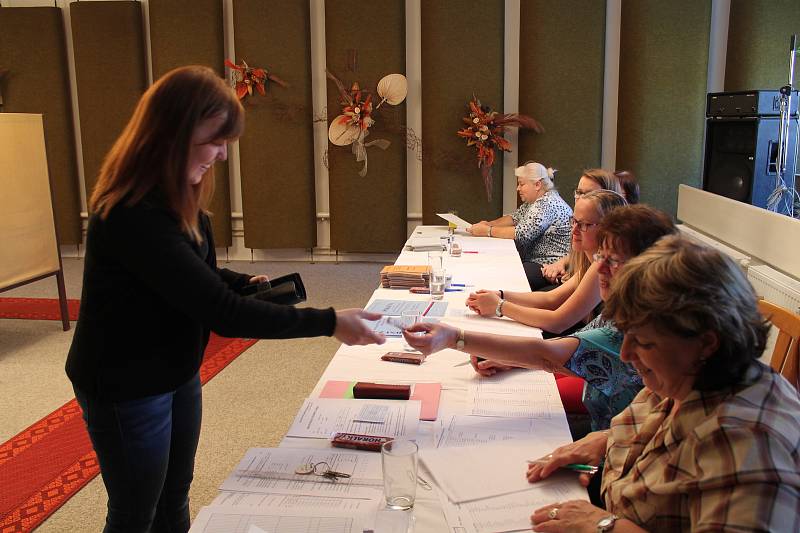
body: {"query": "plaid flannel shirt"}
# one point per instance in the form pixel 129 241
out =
pixel 727 460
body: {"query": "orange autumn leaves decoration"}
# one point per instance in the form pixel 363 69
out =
pixel 245 79
pixel 485 129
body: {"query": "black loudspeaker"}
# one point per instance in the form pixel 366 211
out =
pixel 741 151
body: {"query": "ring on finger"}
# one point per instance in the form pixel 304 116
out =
pixel 553 514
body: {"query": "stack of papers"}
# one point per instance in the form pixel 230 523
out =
pixel 425 244
pixel 405 276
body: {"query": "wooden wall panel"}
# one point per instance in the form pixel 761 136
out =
pixel 190 32
pixel 379 198
pixel 662 90
pixel 562 48
pixel 758 44
pixel 110 73
pixel 277 148
pixel 462 55
pixel 33 49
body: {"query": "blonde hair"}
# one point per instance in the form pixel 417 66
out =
pixel 536 172
pixel 685 289
pixel 605 179
pixel 153 150
pixel 604 201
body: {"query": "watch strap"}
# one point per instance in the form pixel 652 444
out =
pixel 460 341
pixel 499 309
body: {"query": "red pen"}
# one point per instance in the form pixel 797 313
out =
pixel 469 252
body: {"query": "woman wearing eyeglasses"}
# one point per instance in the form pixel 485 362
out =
pixel 593 179
pixel 540 226
pixel 569 304
pixel 593 352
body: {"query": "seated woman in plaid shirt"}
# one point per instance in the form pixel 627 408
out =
pixel 712 443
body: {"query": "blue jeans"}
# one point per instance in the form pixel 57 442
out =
pixel 146 450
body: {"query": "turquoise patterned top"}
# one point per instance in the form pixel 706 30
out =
pixel 611 383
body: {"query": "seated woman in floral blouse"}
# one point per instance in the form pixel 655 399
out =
pixel 712 441
pixel 592 353
pixel 540 226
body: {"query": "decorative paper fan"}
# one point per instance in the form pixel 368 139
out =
pixel 343 131
pixel 392 89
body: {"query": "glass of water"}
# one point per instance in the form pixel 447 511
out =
pixel 399 461
pixel 438 284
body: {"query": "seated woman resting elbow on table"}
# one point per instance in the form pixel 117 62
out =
pixel 540 226
pixel 593 352
pixel 593 179
pixel 565 306
pixel 712 441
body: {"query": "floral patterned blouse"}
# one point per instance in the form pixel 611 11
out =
pixel 611 384
pixel 542 229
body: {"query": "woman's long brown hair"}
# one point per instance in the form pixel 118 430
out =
pixel 153 149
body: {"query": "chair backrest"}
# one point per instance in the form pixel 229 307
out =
pixel 786 355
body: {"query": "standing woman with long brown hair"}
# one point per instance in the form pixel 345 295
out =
pixel 152 293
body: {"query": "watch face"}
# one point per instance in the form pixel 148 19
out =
pixel 605 522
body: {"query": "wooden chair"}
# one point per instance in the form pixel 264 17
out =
pixel 786 355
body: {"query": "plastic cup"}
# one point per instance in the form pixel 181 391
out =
pixel 438 284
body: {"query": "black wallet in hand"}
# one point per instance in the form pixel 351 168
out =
pixel 286 290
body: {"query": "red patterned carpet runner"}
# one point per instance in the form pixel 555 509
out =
pixel 45 465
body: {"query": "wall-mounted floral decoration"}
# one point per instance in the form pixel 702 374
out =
pixel 245 79
pixel 352 126
pixel 485 131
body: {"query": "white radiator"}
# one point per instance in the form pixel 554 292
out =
pixel 776 287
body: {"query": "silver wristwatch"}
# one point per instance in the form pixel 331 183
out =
pixel 499 309
pixel 606 523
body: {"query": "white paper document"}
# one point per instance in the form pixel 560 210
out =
pixel 511 512
pixel 224 519
pixel 291 502
pixel 425 308
pixel 320 418
pixel 455 219
pixel 526 395
pixel 477 472
pixel 273 470
pixel 468 430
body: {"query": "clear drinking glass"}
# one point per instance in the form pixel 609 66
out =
pixel 399 460
pixel 436 260
pixel 438 284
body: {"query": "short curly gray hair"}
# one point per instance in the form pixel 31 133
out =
pixel 684 288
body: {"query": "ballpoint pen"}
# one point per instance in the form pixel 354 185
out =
pixel 575 467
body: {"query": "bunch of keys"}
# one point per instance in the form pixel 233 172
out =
pixel 322 469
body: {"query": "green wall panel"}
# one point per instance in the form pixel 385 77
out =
pixel 462 55
pixel 758 44
pixel 562 48
pixel 190 32
pixel 110 73
pixel 360 50
pixel 662 88
pixel 32 48
pixel 277 148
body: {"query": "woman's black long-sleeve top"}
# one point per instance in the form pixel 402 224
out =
pixel 151 295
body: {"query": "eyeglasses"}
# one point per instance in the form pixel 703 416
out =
pixel 583 227
pixel 579 193
pixel 613 264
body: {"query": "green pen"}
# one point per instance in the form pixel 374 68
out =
pixel 589 469
pixel 575 467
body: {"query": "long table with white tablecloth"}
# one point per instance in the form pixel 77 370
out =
pixel 484 263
